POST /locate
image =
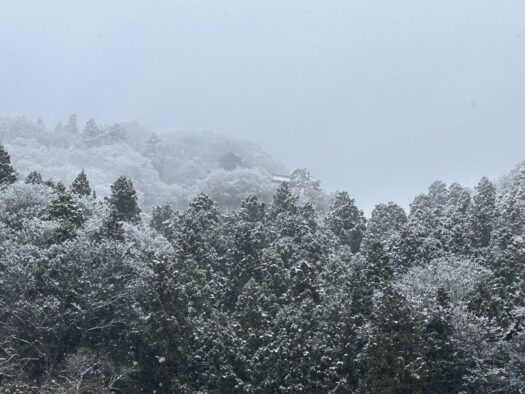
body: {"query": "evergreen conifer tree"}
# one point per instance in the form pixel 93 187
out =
pixel 34 178
pixel 386 221
pixel 65 210
pixel 80 185
pixel 283 201
pixel 389 359
pixel 346 221
pixel 123 200
pixel 444 367
pixel 111 227
pixel 483 213
pixel 7 173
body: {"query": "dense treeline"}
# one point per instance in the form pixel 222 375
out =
pixel 97 296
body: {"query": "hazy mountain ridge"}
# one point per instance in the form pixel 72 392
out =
pixel 174 170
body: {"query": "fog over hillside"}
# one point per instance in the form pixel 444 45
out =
pixel 166 168
pixel 272 197
pixel 402 93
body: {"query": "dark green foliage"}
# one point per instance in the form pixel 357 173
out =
pixel 252 210
pixel 67 212
pixel 80 185
pixel 391 357
pixel 123 200
pixel 346 221
pixel 502 295
pixel 378 268
pixel 456 222
pixel 164 220
pixel 443 368
pixel 34 178
pixel 63 207
pixel 385 223
pixel 257 300
pixel 59 187
pixel 7 173
pixel 483 213
pixel 283 201
pixel 111 227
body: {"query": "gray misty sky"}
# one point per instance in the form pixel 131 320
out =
pixel 379 98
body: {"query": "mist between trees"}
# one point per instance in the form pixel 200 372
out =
pixel 145 284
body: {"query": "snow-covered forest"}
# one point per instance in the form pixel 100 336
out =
pixel 132 262
pixel 169 168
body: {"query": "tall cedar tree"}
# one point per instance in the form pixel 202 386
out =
pixel 346 221
pixel 391 355
pixel 443 368
pixel 80 185
pixel 7 172
pixel 483 213
pixel 34 178
pixel 69 214
pixel 123 200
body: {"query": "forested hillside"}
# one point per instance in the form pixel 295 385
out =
pixel 100 294
pixel 172 168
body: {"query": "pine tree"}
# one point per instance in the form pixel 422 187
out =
pixel 378 270
pixel 34 178
pixel 386 221
pixel 307 188
pixel 69 214
pixel 483 213
pixel 438 193
pixel 247 241
pixel 513 204
pixel 59 187
pixel 199 237
pixel 302 181
pixel 123 200
pixel 346 221
pixel 456 238
pixel 283 201
pixel 252 210
pixel 80 185
pixel 444 367
pixel 163 220
pixel 501 297
pixel 64 208
pixel 111 227
pixel 303 282
pixel 390 358
pixel 252 310
pixel 7 173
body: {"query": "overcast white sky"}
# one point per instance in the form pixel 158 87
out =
pixel 379 98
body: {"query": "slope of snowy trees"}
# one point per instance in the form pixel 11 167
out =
pixel 170 168
pixel 99 295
